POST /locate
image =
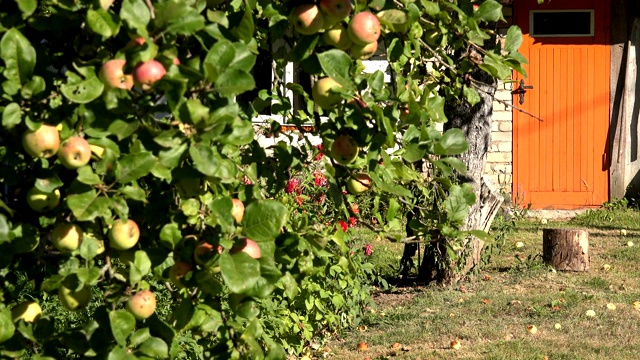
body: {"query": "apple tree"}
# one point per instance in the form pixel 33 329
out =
pixel 140 217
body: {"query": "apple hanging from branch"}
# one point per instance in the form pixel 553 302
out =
pixel 66 237
pixel 75 152
pixel 142 305
pixel 124 235
pixel 42 143
pixel 307 19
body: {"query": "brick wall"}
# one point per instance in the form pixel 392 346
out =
pixel 499 163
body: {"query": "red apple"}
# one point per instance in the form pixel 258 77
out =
pixel 75 152
pixel 142 304
pixel 334 11
pixel 205 252
pixel 178 272
pixel 322 95
pixel 248 247
pixel 337 37
pixel 307 19
pixel 238 210
pixel 42 143
pixel 147 73
pixel 124 235
pixel 112 74
pixel 363 52
pixel 364 28
pixel 359 183
pixel 344 149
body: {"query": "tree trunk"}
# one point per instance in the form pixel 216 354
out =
pixel 566 249
pixel 475 122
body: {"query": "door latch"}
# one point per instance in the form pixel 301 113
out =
pixel 521 90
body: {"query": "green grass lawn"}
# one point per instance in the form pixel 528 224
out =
pixel 490 313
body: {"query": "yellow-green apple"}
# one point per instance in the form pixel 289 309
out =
pixel 124 235
pixel 363 52
pixel 42 143
pixel 307 19
pixel 112 74
pixel 142 304
pixel 359 183
pixel 178 272
pixel 105 4
pixel 364 28
pixel 75 152
pixel 322 95
pixel 74 300
pixel 66 237
pixel 344 149
pixel 29 311
pixel 204 252
pixel 237 210
pixel 42 201
pixel 147 73
pixel 337 37
pixel 334 11
pixel 248 247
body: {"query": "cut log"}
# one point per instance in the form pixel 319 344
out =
pixel 566 249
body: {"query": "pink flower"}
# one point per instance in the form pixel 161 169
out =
pixel 292 185
pixel 368 250
pixel 246 180
pixel 299 200
pixel 320 199
pixel 343 225
pixel 320 153
pixel 352 221
pixel 319 179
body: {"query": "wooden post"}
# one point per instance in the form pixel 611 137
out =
pixel 566 249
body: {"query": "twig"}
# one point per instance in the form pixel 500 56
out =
pixel 507 104
pixel 152 10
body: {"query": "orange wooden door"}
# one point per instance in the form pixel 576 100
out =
pixel 559 160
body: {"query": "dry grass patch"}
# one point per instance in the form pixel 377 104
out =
pixel 490 314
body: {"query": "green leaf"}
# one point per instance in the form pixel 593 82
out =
pixel 170 235
pixel 105 23
pixel 4 229
pixel 264 219
pixel 336 64
pixel 33 87
pixel 49 184
pixel 87 176
pixel 209 162
pixel 239 271
pixel 136 14
pixel 28 7
pixel 245 30
pixel 490 10
pixel 139 337
pixel 471 95
pixel 11 116
pixel 89 247
pixel 122 324
pixel 83 92
pixel 140 268
pixel 430 7
pixel 120 353
pixel 453 142
pixel 88 205
pixel 178 18
pixel 514 39
pixel 134 166
pixel 133 193
pixel 234 82
pixel 25 238
pixel 7 329
pixel 155 347
pixel 18 55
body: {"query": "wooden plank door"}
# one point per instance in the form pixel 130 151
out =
pixel 559 160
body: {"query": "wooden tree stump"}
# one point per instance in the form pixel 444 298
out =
pixel 566 249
